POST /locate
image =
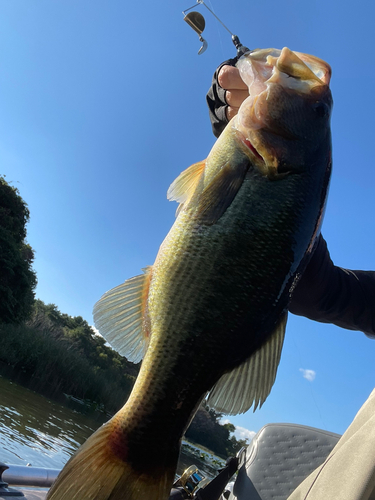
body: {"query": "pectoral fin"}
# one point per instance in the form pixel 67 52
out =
pixel 251 382
pixel 184 186
pixel 217 196
pixel 121 316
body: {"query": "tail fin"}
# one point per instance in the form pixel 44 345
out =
pixel 95 473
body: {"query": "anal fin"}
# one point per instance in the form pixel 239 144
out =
pixel 251 382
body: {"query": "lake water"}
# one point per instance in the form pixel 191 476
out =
pixel 40 432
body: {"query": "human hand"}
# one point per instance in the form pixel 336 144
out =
pixel 225 96
pixel 236 90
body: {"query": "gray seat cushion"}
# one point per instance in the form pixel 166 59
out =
pixel 279 458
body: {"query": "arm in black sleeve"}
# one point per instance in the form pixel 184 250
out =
pixel 330 294
pixel 216 101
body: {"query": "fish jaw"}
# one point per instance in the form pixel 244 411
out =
pixel 289 100
pixel 293 69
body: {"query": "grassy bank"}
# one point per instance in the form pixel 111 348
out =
pixel 55 354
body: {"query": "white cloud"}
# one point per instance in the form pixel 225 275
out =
pixel 240 432
pixel 308 374
pixel 96 331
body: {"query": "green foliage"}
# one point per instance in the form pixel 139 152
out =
pixel 206 430
pixel 54 353
pixel 17 278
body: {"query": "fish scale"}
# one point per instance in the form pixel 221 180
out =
pixel 211 311
pixel 174 325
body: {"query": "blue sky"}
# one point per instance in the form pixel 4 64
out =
pixel 102 104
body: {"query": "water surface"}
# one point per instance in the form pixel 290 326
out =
pixel 35 430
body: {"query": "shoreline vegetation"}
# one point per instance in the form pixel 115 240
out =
pixel 63 358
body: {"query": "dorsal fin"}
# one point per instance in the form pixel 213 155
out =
pixel 121 316
pixel 252 381
pixel 184 186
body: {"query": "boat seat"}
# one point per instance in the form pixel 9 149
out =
pixel 278 459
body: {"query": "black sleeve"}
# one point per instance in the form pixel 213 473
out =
pixel 331 294
pixel 216 101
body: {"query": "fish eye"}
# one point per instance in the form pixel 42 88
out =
pixel 320 109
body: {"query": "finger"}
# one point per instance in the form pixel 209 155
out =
pixel 231 112
pixel 229 78
pixel 235 98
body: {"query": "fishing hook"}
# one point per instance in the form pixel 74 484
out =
pixel 196 21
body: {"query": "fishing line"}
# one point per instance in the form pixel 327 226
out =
pixel 197 22
pixel 218 30
pixel 213 13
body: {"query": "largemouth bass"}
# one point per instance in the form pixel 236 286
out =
pixel 209 316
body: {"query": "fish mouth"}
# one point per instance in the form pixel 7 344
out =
pixel 262 68
pixel 267 72
pixel 278 66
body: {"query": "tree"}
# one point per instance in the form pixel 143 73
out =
pixel 17 278
pixel 206 430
